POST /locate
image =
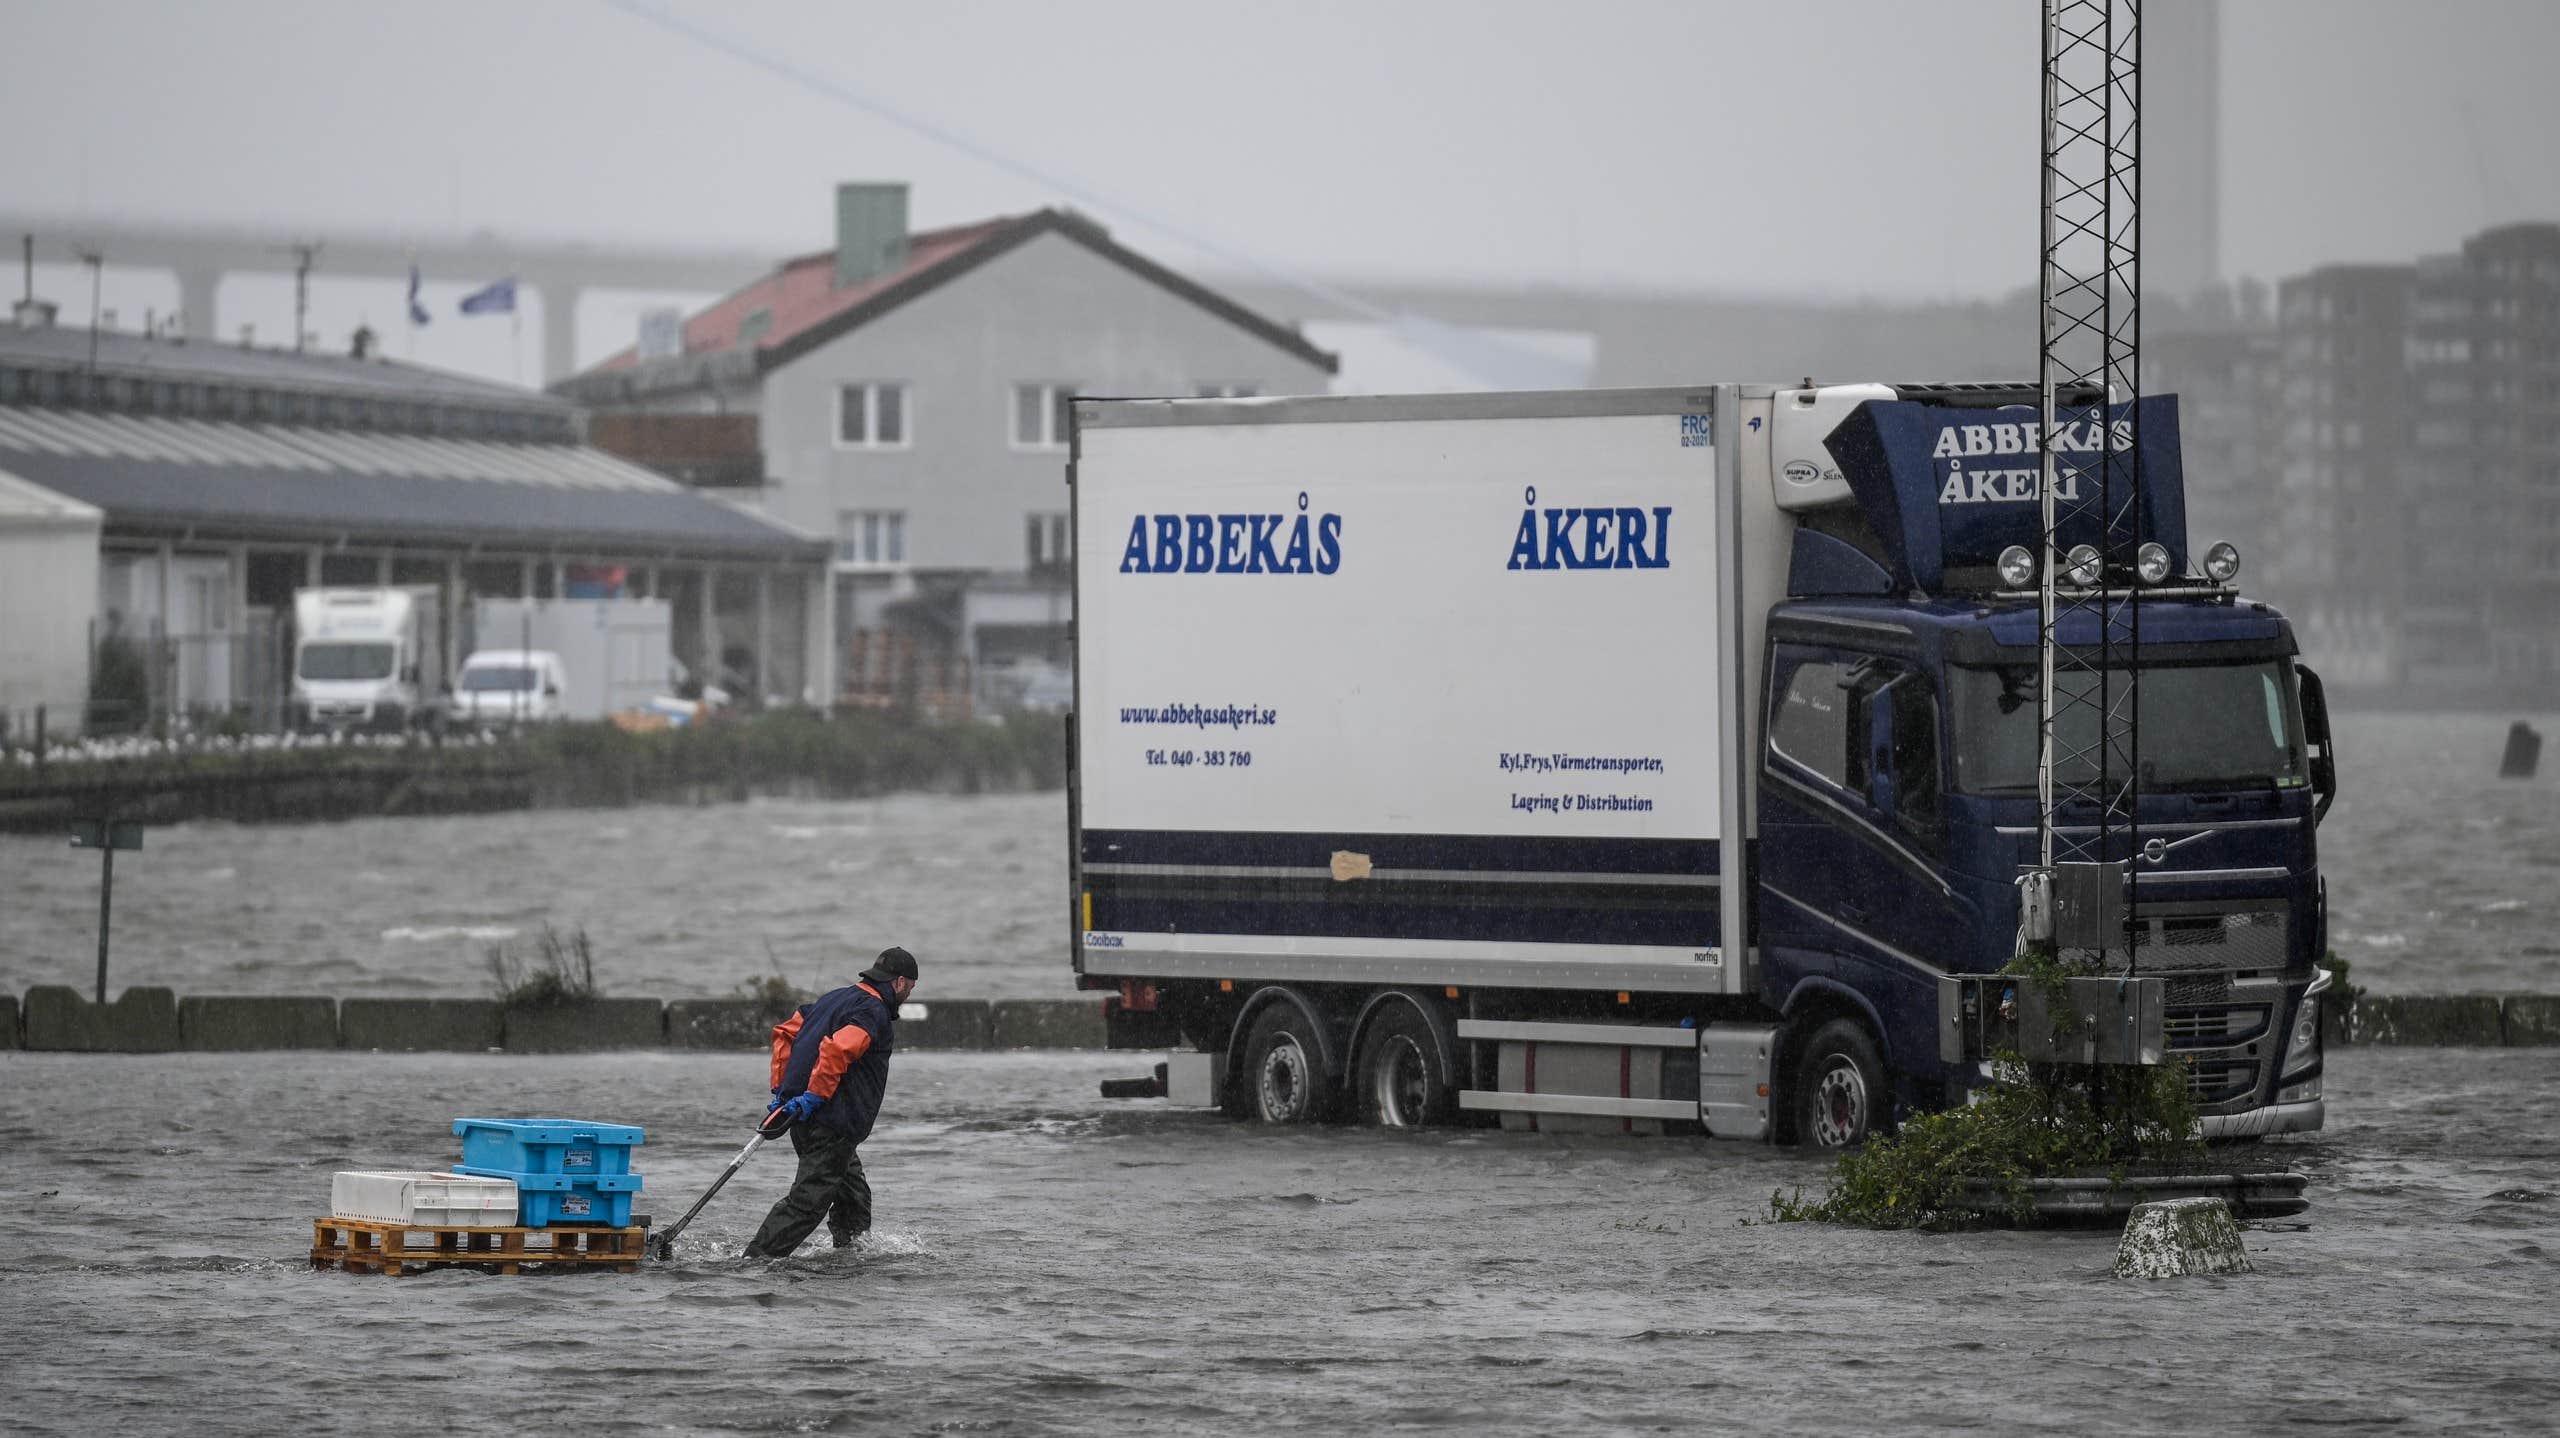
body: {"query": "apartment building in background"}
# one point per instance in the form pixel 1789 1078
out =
pixel 2385 447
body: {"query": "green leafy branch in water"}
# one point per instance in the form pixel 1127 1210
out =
pixel 2032 1121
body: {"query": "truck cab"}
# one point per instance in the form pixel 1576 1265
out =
pixel 1900 779
pixel 1900 773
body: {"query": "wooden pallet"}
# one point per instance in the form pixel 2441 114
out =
pixel 357 1245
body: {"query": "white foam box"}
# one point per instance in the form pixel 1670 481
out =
pixel 440 1200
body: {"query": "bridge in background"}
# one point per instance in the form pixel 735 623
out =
pixel 1639 338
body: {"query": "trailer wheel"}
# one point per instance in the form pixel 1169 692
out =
pixel 1284 1079
pixel 1841 1096
pixel 1397 1080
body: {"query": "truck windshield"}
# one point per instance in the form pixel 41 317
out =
pixel 2202 726
pixel 495 680
pixel 326 660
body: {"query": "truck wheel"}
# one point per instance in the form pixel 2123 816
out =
pixel 1841 1094
pixel 1283 1078
pixel 1397 1079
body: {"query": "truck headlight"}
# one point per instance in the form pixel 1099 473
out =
pixel 2081 565
pixel 2151 562
pixel 2304 1043
pixel 2222 562
pixel 2017 566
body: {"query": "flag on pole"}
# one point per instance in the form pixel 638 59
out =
pixel 417 311
pixel 497 299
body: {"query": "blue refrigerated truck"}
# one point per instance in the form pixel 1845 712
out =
pixel 1668 760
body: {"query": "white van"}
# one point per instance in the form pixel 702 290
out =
pixel 510 686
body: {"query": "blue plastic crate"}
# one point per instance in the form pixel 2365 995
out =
pixel 571 1146
pixel 543 1199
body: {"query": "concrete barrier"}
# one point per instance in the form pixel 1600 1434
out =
pixel 231 1025
pixel 721 1024
pixel 1045 1024
pixel 420 1025
pixel 2532 1020
pixel 584 1028
pixel 140 1021
pixel 8 1021
pixel 946 1024
pixel 2427 1020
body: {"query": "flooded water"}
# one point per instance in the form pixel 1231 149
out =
pixel 1049 1261
pixel 2442 878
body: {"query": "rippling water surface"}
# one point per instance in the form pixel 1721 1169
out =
pixel 1051 1262
pixel 2442 878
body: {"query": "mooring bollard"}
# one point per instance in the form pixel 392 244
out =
pixel 2178 1237
pixel 2523 754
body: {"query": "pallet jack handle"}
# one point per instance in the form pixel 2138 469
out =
pixel 775 1125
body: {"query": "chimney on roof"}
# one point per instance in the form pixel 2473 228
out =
pixel 871 229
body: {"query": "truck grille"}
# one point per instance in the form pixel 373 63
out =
pixel 2214 1081
pixel 2206 1028
pixel 2169 939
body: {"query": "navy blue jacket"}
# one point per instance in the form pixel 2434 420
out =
pixel 837 1047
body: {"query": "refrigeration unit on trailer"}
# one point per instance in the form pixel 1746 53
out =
pixel 1649 760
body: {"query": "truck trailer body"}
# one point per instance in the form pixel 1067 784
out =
pixel 1648 759
pixel 607 656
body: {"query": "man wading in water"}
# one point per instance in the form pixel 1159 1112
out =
pixel 830 1069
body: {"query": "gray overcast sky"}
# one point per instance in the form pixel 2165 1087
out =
pixel 1825 147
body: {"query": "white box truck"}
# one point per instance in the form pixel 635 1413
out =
pixel 602 656
pixel 369 658
pixel 1650 759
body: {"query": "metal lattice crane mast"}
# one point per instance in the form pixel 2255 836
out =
pixel 2090 295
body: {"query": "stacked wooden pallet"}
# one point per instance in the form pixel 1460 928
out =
pixel 358 1245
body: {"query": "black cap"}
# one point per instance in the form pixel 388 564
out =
pixel 893 963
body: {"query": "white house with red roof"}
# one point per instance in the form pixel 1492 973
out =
pixel 906 393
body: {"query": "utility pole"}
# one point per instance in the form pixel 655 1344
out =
pixel 96 260
pixel 2089 291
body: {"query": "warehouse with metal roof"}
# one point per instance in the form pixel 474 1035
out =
pixel 206 483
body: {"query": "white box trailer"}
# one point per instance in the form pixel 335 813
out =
pixel 1561 709
pixel 1418 761
pixel 615 654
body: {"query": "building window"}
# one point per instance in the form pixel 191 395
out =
pixel 871 415
pixel 1218 389
pixel 871 537
pixel 1045 540
pixel 1042 414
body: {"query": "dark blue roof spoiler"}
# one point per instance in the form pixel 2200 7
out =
pixel 1944 489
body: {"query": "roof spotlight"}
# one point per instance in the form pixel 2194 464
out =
pixel 2222 562
pixel 2080 566
pixel 2151 562
pixel 2017 566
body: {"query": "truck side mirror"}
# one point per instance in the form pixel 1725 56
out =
pixel 2315 737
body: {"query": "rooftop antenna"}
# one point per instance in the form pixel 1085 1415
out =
pixel 305 254
pixel 27 245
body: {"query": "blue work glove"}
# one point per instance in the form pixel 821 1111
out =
pixel 777 1101
pixel 802 1106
